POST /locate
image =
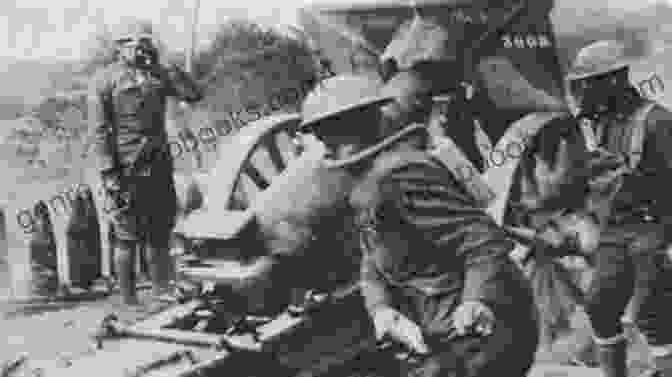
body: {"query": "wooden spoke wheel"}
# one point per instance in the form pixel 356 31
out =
pixel 258 153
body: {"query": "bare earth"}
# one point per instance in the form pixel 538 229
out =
pixel 53 335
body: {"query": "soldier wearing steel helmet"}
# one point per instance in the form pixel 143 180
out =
pixel 547 167
pixel 127 105
pixel 630 259
pixel 456 300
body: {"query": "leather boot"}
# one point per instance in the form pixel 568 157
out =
pixel 612 356
pixel 160 265
pixel 124 261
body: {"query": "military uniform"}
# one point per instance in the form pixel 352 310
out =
pixel 426 263
pixel 631 259
pixel 429 248
pixel 127 117
pixel 129 125
pixel 547 194
pixel 630 262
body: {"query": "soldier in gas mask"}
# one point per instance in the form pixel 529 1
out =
pixel 630 259
pixel 127 105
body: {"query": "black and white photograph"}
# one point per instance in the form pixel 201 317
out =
pixel 335 188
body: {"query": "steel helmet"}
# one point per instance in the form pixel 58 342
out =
pixel 598 58
pixel 134 30
pixel 339 94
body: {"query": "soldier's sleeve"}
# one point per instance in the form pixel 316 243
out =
pixel 659 136
pixel 432 200
pixel 101 127
pixel 373 286
pixel 181 85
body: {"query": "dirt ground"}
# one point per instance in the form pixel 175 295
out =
pixel 57 333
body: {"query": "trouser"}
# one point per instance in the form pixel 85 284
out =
pixel 160 266
pixel 143 218
pixel 508 351
pixel 629 265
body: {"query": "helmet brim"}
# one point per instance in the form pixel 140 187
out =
pixel 579 74
pixel 364 102
pixel 134 39
pixel 373 150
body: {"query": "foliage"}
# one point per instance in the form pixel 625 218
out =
pixel 245 64
pixel 100 52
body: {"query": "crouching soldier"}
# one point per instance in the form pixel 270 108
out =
pixel 630 259
pixel 127 106
pixel 436 275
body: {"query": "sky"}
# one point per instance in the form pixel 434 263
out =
pixel 43 29
pixel 62 28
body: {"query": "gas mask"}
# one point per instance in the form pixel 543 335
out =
pixel 603 95
pixel 140 54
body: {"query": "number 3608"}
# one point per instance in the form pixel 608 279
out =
pixel 526 41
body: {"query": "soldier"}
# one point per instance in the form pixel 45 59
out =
pixel 127 107
pixel 630 258
pixel 529 161
pixel 456 298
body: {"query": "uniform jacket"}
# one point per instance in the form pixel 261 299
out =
pixel 421 229
pixel 645 190
pixel 127 111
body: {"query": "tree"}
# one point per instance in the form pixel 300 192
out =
pixel 246 64
pixel 100 52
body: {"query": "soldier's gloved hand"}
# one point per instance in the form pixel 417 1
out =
pixel 582 232
pixel 389 322
pixel 473 316
pixel 551 236
pixel 571 234
pixel 111 179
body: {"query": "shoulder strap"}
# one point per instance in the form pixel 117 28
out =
pixel 500 177
pixel 637 134
pixel 453 158
pixel 493 187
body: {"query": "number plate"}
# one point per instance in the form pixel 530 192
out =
pixel 528 40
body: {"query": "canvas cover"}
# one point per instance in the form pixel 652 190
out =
pixel 527 42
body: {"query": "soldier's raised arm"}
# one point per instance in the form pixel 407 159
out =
pixel 374 288
pixel 181 85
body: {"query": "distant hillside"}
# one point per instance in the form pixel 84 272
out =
pixel 12 107
pixel 31 79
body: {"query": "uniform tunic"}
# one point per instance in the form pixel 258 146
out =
pixel 428 247
pixel 127 118
pixel 631 258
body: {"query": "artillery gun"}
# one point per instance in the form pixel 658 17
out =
pixel 268 196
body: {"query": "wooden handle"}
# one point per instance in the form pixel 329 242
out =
pixel 522 234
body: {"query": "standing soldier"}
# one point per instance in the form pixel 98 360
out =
pixel 127 113
pixel 630 259
pixel 436 275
